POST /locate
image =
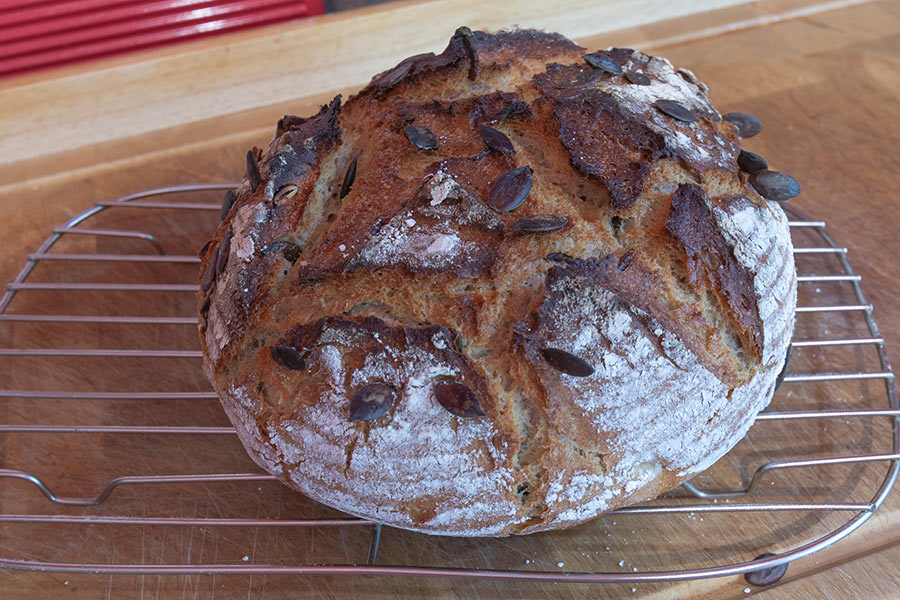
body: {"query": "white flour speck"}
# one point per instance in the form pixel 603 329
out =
pixel 438 340
pixel 442 185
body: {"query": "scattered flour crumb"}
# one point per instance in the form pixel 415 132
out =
pixel 443 185
pixel 622 563
pixel 438 340
pixel 245 558
pixel 560 564
pixel 410 222
pixel 342 247
pixel 747 590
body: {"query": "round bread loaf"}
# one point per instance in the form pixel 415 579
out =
pixel 501 290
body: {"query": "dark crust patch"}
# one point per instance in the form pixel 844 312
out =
pixel 289 165
pixel 488 108
pixel 360 337
pixel 711 258
pixel 603 141
pixel 317 126
pixel 314 133
pixel 496 107
pixel 466 34
pixel 566 81
pixel 288 122
pixel 476 48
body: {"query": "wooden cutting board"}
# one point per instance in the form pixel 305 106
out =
pixel 823 76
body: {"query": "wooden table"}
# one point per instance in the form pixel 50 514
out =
pixel 823 76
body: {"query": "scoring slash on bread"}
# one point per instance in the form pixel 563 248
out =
pixel 502 289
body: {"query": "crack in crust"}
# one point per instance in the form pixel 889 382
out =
pixel 603 141
pixel 712 263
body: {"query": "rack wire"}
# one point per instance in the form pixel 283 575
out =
pixel 173 203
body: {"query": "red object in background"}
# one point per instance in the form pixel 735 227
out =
pixel 38 34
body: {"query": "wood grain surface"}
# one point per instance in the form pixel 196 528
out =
pixel 826 84
pixel 210 79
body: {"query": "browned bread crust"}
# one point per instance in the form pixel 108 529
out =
pixel 395 332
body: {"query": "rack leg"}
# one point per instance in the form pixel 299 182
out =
pixel 373 547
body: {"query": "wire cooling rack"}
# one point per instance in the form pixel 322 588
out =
pixel 112 305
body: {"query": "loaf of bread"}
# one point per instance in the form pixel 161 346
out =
pixel 501 290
